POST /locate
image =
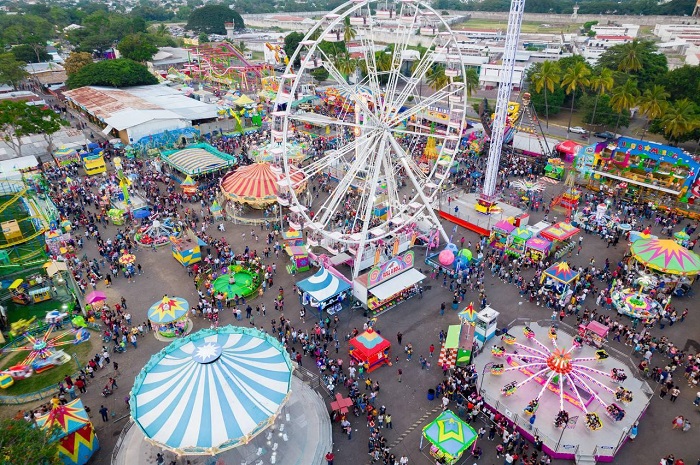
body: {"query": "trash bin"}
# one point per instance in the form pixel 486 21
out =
pixel 455 305
pixel 431 394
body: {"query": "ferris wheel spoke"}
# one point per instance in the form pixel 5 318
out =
pixel 400 46
pixel 331 157
pixel 417 76
pixel 439 96
pixel 315 118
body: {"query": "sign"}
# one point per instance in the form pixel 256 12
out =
pixel 388 270
pixel 568 446
pixel 607 447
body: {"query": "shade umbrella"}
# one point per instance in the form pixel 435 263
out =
pixel 450 435
pixel 212 390
pixel 666 256
pixel 95 296
pixel 127 259
pixel 168 309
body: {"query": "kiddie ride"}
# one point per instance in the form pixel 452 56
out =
pixel 42 350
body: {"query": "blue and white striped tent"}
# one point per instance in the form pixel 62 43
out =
pixel 322 286
pixel 212 390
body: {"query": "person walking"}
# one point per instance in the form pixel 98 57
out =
pixel 400 372
pixel 678 422
pixel 329 458
pixel 104 411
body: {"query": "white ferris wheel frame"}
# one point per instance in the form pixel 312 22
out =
pixel 385 117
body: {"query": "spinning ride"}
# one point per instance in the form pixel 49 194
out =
pixel 380 163
pixel 557 370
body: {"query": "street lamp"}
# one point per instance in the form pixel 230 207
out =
pixel 483 373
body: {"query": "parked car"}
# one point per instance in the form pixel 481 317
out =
pixel 578 130
pixel 605 135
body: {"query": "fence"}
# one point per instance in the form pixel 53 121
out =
pixel 120 440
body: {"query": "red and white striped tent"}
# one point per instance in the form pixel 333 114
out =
pixel 257 185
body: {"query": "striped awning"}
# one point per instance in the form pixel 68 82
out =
pixel 257 184
pixel 194 161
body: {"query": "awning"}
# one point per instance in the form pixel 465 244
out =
pixel 397 284
pixel 340 258
pixel 452 339
pixel 107 129
pixel 639 183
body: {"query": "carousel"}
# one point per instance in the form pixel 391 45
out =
pixel 258 185
pixel 228 393
pixel 169 318
pixel 157 234
pixel 674 266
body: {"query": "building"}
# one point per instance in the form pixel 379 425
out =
pixel 670 32
pixel 136 112
pixel 490 76
pixel 171 57
pixel 630 30
pixel 47 73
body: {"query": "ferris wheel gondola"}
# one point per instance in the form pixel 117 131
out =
pixel 378 182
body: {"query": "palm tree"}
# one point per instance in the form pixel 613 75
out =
pixel 575 77
pixel 631 52
pixel 349 32
pixel 345 64
pixel 601 83
pixel 623 98
pixel 679 119
pixel 652 104
pixel 547 77
pixel 471 80
pixel 436 77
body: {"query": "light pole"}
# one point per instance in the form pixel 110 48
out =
pixel 572 421
pixel 483 373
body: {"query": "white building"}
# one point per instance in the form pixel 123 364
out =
pixel 630 30
pixel 490 76
pixel 670 32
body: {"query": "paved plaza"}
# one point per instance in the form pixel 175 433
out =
pixel 420 322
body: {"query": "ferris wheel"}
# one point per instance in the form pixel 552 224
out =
pixel 396 137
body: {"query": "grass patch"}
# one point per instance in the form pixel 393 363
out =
pixel 16 312
pixel 50 377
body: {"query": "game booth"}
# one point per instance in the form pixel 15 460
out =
pixel 371 348
pixel 187 248
pixel 559 277
pixel 292 237
pixel 169 318
pixel 449 437
pixel 299 257
pixel 537 248
pixel 324 291
pixel 500 233
pixel 73 430
pixel 389 284
pixel 567 150
pixel 516 241
pixel 560 235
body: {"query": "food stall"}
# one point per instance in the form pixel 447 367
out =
pixel 299 257
pixel 560 277
pixel 187 248
pixel 449 437
pixel 560 235
pixel 389 284
pixel 593 333
pixel 370 348
pixel 500 233
pixel 94 164
pixel 324 291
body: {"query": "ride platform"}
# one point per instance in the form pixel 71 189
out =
pixel 462 211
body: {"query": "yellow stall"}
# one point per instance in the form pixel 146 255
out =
pixel 94 164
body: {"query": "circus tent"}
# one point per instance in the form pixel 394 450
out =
pixel 73 431
pixel 258 184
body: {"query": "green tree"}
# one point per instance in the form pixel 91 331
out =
pixel 19 119
pixel 639 59
pixel 623 98
pixel 436 77
pixel 12 71
pixel 679 119
pixel 349 32
pixel 291 43
pixel 29 54
pixel 137 47
pixel 26 445
pixel 211 19
pixel 575 78
pixel 320 74
pixel 604 114
pixel 683 82
pixel 545 78
pixel 652 104
pixel 76 61
pixel 601 83
pixel 115 73
pixel 471 79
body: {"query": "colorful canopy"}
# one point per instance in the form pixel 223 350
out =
pixel 522 233
pixel 450 434
pixel 292 234
pixel 212 390
pixel 188 181
pixel 95 296
pixel 561 272
pixel 468 315
pixel 568 146
pixel 273 152
pixel 322 285
pixel 504 226
pixel 66 418
pixel 560 231
pixel 538 243
pixel 666 255
pixel 257 184
pixel 243 100
pixel 198 159
pixel 168 309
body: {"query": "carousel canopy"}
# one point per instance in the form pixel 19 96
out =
pixel 666 256
pixel 212 390
pixel 323 285
pixel 168 309
pixel 256 184
pixel 561 272
pixel 450 434
pixel 560 231
pixel 66 418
